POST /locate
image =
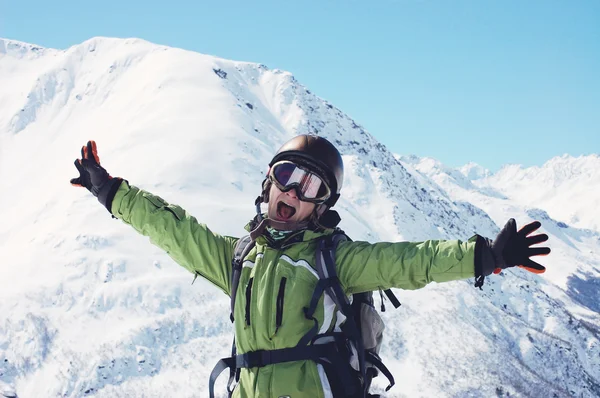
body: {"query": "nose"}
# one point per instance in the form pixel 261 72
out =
pixel 292 193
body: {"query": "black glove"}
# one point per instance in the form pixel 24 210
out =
pixel 94 177
pixel 510 249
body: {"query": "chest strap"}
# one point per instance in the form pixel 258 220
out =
pixel 260 358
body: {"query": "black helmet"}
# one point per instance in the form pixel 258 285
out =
pixel 318 155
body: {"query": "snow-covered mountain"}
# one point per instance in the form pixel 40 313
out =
pixel 90 308
pixel 567 187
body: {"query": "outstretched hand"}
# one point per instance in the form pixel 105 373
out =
pixel 514 248
pixel 91 175
pixel 95 177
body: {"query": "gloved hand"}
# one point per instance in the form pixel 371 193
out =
pixel 94 177
pixel 510 248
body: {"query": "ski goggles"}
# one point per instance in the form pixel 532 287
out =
pixel 309 186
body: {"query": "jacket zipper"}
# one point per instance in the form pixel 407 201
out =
pixel 248 298
pixel 280 296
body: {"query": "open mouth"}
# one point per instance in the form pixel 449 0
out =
pixel 285 211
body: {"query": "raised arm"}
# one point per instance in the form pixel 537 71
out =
pixel 190 243
pixel 364 266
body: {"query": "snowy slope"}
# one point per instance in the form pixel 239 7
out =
pixel 570 289
pixel 90 308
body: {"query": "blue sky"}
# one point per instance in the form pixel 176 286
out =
pixel 490 81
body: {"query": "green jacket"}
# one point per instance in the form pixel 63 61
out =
pixel 361 267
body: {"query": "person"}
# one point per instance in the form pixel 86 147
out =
pixel 278 276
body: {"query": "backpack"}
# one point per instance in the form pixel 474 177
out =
pixel 349 356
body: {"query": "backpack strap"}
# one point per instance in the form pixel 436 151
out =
pixel 376 361
pixel 316 352
pixel 328 283
pixel 326 268
pixel 241 250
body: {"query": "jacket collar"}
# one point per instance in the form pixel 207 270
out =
pixel 303 235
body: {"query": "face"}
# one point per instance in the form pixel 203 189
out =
pixel 285 206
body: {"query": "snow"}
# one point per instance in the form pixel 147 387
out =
pixel 567 187
pixel 473 171
pixel 90 308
